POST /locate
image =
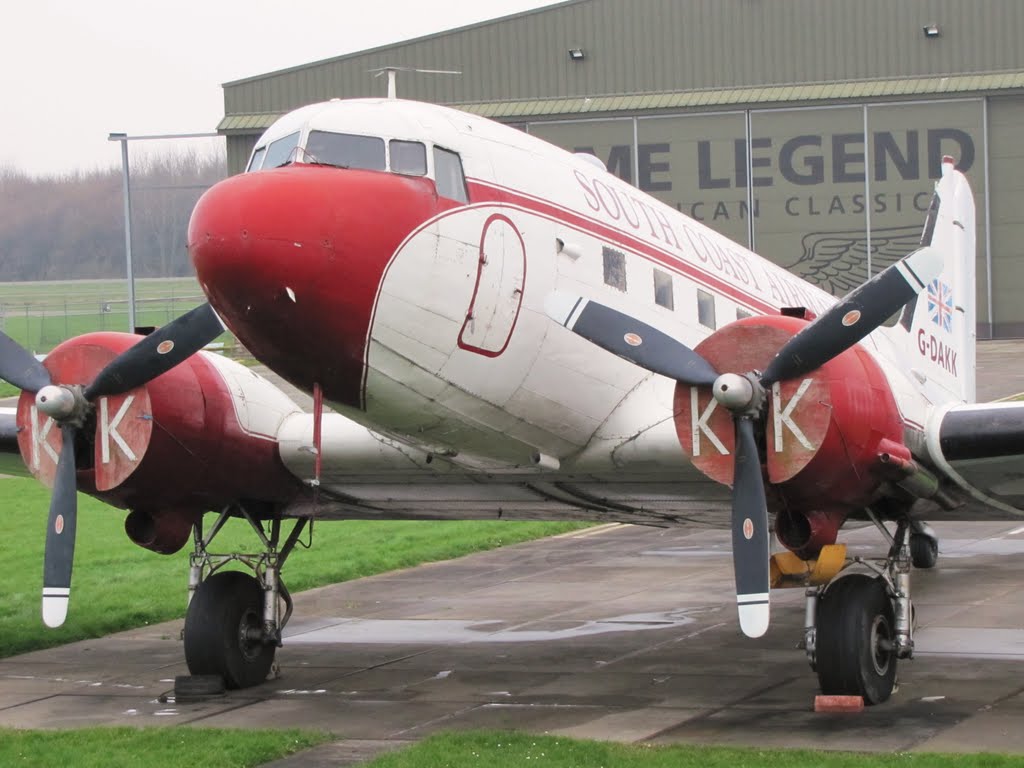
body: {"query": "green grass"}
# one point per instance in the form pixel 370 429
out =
pixel 500 750
pixel 39 315
pixel 117 585
pixel 164 747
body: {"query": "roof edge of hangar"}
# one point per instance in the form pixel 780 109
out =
pixel 789 93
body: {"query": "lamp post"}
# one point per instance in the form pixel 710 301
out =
pixel 126 187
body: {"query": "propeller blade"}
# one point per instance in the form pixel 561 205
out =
pixel 630 339
pixel 157 353
pixel 750 555
pixel 855 316
pixel 19 367
pixel 60 535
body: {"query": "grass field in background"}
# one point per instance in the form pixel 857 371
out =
pixel 117 585
pixel 164 747
pixel 39 315
pixel 483 749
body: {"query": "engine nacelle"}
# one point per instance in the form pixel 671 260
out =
pixel 197 438
pixel 823 432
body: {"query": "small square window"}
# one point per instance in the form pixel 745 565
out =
pixel 742 313
pixel 614 268
pixel 408 157
pixel 706 309
pixel 663 295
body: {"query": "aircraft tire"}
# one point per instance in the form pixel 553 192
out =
pixel 224 607
pixel 854 639
pixel 924 550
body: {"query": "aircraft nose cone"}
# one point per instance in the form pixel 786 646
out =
pixel 292 258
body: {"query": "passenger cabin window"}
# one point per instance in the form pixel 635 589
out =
pixel 614 268
pixel 663 295
pixel 448 173
pixel 706 309
pixel 280 152
pixel 346 150
pixel 742 313
pixel 408 157
pixel 257 159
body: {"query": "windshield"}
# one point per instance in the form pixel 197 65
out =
pixel 280 152
pixel 345 150
pixel 257 159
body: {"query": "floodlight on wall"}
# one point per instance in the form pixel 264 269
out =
pixel 931 30
pixel 577 54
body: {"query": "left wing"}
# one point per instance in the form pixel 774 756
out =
pixel 10 458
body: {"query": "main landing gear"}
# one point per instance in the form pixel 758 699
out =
pixel 861 624
pixel 234 620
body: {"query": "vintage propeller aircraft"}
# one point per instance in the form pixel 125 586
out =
pixel 503 329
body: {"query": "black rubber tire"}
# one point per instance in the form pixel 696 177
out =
pixel 223 607
pixel 924 550
pixel 855 613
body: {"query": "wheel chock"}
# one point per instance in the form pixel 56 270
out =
pixel 193 689
pixel 838 703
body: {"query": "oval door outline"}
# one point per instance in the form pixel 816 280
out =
pixel 498 293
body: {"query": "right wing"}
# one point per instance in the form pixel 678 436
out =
pixel 980 448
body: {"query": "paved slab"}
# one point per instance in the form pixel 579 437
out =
pixel 626 633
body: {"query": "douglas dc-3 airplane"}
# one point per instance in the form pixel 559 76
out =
pixel 505 330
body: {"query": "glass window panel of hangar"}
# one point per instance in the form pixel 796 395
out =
pixel 610 140
pixel 690 163
pixel 808 182
pixel 907 142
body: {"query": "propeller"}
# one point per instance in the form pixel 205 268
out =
pixel 743 394
pixel 70 404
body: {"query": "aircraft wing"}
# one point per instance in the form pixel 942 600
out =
pixel 980 448
pixel 10 458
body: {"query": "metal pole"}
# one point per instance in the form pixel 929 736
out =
pixel 127 191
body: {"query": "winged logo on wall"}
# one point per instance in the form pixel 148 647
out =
pixel 837 261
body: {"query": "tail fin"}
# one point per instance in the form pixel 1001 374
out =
pixel 941 323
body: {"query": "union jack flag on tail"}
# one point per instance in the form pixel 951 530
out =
pixel 940 305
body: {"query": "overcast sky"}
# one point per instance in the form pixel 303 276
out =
pixel 72 72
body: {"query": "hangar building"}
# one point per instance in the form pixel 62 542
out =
pixel 809 130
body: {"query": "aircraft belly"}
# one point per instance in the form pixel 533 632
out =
pixel 526 498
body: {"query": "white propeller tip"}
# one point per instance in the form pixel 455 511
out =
pixel 754 616
pixel 55 606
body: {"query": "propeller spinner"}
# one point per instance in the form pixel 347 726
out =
pixel 69 405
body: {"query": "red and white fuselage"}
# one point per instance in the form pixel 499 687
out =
pixel 416 302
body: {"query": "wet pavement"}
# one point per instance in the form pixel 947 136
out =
pixel 616 632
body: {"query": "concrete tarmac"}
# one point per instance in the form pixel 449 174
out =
pixel 616 632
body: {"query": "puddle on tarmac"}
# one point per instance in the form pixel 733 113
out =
pixel 453 631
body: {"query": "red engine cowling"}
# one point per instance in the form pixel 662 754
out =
pixel 169 450
pixel 822 432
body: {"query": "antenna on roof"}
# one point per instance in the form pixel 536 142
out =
pixel 392 73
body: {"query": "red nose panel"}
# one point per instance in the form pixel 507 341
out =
pixel 292 260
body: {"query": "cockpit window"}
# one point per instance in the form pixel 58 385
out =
pixel 281 152
pixel 408 157
pixel 448 172
pixel 257 159
pixel 345 150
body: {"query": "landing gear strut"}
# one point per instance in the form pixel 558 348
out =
pixel 234 620
pixel 860 625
